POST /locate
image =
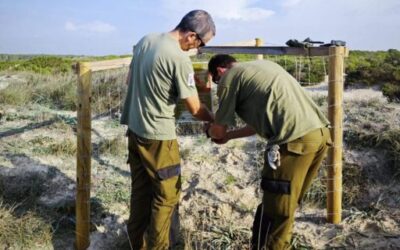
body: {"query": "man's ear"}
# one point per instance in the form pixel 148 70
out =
pixel 221 70
pixel 191 35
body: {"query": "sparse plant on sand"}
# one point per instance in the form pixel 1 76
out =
pixel 23 232
pixel 230 179
pixel 114 146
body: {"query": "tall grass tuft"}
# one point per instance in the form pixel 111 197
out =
pixel 108 91
pixel 43 145
pixel 54 91
pixel 23 232
pixel 115 146
pixel 59 91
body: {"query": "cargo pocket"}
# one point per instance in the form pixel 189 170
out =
pixel 276 197
pixel 168 172
pixel 169 184
pixel 173 151
pixel 144 141
pixel 303 148
pixel 329 142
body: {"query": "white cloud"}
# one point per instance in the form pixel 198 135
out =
pixel 241 10
pixel 94 26
pixel 290 3
pixel 239 13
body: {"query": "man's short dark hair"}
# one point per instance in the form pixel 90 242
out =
pixel 219 60
pixel 198 21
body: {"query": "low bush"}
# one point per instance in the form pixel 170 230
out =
pixel 375 68
pixel 391 91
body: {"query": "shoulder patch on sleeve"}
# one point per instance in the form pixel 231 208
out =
pixel 191 81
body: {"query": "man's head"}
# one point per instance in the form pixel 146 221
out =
pixel 218 64
pixel 198 28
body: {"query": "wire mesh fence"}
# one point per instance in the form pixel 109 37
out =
pixel 209 229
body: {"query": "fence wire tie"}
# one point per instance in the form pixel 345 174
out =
pixel 335 105
pixel 332 165
pixel 336 81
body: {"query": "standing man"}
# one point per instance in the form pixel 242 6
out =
pixel 273 105
pixel 160 74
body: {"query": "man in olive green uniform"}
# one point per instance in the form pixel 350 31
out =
pixel 273 105
pixel 160 74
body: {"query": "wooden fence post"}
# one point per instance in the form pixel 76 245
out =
pixel 259 43
pixel 84 151
pixel 335 114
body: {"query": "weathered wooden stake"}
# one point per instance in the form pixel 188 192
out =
pixel 259 43
pixel 335 115
pixel 84 151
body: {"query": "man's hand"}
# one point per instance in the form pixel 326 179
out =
pixel 202 85
pixel 198 109
pixel 217 133
pixel 220 141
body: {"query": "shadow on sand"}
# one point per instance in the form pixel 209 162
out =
pixel 46 192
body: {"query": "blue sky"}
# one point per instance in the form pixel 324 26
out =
pixel 100 27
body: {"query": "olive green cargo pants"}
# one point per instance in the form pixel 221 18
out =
pixel 156 187
pixel 285 187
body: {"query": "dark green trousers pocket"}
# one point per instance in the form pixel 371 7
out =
pixel 168 172
pixel 275 186
pixel 276 197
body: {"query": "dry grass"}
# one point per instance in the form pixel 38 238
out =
pixel 114 146
pixel 43 145
pixel 55 91
pixel 108 91
pixel 59 91
pixel 316 195
pixel 211 227
pixel 372 123
pixel 27 231
pixel 353 186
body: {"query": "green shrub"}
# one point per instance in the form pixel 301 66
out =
pixel 307 70
pixel 373 68
pixel 40 64
pixel 391 91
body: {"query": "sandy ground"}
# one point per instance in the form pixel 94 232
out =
pixel 220 187
pixel 360 93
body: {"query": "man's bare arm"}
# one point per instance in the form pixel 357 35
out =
pixel 240 133
pixel 198 109
pixel 219 134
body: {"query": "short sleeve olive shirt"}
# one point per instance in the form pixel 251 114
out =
pixel 161 73
pixel 268 99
